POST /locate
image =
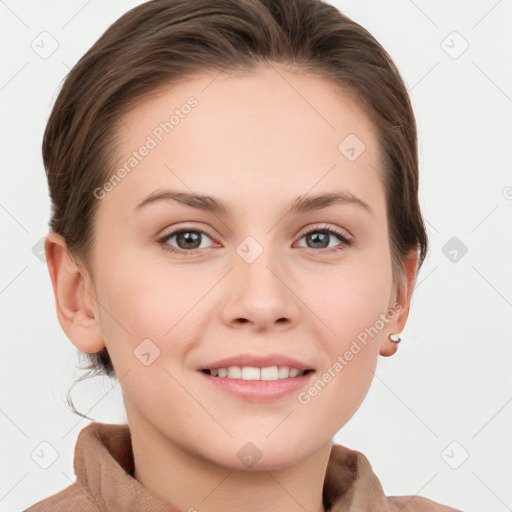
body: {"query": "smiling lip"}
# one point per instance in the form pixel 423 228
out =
pixel 259 390
pixel 257 362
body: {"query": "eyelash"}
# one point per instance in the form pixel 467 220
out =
pixel 322 228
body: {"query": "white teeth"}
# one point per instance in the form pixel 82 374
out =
pixel 283 372
pixel 253 373
pixel 250 373
pixel 234 372
pixel 270 373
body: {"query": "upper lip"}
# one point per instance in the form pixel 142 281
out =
pixel 257 361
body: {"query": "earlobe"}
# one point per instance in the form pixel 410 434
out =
pixel 76 306
pixel 388 347
pixel 402 302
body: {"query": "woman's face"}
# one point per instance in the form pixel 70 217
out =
pixel 262 278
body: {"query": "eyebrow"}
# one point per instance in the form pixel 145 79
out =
pixel 301 204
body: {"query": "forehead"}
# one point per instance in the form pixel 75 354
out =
pixel 272 128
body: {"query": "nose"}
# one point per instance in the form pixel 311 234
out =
pixel 260 293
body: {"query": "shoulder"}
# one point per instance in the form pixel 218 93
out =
pixel 70 498
pixel 350 483
pixel 417 504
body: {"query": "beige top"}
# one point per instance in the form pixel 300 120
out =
pixel 104 468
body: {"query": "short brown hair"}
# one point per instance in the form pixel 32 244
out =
pixel 161 42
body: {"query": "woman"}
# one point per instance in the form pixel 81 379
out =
pixel 277 139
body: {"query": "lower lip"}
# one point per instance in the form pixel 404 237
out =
pixel 259 390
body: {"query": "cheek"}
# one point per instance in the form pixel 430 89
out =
pixel 349 299
pixel 351 359
pixel 147 331
pixel 142 302
pixel 351 302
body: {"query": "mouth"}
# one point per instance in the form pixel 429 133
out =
pixel 269 373
pixel 257 384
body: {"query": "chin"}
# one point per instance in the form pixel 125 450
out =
pixel 255 453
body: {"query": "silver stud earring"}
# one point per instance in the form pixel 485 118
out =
pixel 395 337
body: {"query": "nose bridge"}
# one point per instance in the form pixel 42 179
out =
pixel 258 262
pixel 258 290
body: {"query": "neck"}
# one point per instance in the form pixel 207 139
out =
pixel 190 481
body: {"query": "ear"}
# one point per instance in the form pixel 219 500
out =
pixel 400 303
pixel 77 309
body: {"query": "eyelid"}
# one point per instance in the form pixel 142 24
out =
pixel 322 226
pixel 187 227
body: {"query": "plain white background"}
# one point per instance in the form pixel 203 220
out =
pixel 436 421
